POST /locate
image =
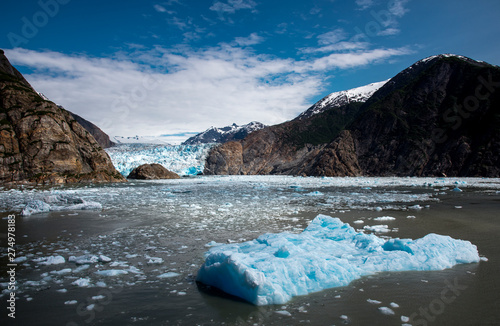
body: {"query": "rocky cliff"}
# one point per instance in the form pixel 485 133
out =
pixel 43 143
pixel 100 136
pixel 441 116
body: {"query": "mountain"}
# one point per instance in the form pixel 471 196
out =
pixel 338 99
pixel 100 136
pixel 43 143
pixel 223 135
pixel 440 116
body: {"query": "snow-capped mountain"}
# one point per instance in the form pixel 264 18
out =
pixel 337 99
pixel 222 135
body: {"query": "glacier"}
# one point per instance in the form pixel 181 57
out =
pixel 329 253
pixel 182 159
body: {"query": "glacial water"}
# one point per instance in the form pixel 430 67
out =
pixel 134 260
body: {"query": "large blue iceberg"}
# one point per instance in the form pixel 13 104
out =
pixel 328 253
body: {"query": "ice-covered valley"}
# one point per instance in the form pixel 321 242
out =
pixel 130 253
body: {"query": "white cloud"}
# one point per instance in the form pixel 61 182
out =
pixel 160 8
pixel 397 7
pixel 190 90
pixel 252 39
pixel 364 4
pixel 232 6
pixel 332 37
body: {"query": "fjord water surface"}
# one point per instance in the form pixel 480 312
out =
pixel 135 261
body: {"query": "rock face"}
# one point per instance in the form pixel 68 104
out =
pixel 100 136
pixel 43 143
pixel 441 116
pixel 152 172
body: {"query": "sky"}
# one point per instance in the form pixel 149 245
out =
pixel 178 67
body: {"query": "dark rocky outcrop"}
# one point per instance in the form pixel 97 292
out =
pixel 152 172
pixel 100 136
pixel 441 116
pixel 43 143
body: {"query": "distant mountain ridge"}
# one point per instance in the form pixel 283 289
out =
pixel 440 116
pixel 225 134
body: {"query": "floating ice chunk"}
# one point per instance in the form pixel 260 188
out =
pixel 456 189
pixel 98 297
pixel 20 260
pixel 104 259
pixel 168 275
pixel 283 313
pixel 155 260
pixel 71 302
pixel 62 290
pixel 315 193
pixel 405 319
pixel 51 260
pixel 384 218
pixel 415 207
pixel 62 271
pixel 91 307
pixel 394 305
pixel 377 228
pixel 84 259
pixel 328 253
pixel 111 272
pixel 82 282
pixel 34 207
pixel 213 244
pixel 358 222
pixel 386 311
pixel 374 301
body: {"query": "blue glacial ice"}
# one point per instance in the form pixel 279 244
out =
pixel 181 159
pixel 329 253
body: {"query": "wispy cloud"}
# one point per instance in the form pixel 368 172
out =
pixel 364 4
pixel 188 89
pixel 252 39
pixel 160 8
pixel 332 37
pixel 233 5
pixel 397 7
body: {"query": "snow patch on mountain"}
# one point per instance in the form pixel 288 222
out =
pixel 225 134
pixel 337 99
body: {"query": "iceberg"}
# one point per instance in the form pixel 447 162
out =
pixel 329 253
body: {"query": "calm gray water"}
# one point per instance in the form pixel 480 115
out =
pixel 148 229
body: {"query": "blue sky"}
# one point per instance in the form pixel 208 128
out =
pixel 180 66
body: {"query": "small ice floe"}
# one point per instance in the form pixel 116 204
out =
pixel 394 305
pixel 411 216
pixel 373 301
pixel 358 222
pixel 155 260
pixel 98 297
pixel 484 259
pixel 405 319
pixel 51 260
pixel 283 313
pixel 112 272
pixel 384 218
pixel 415 207
pixel 168 275
pixel 62 271
pixel 386 311
pixel 62 290
pixel 82 282
pixel 456 189
pixel 377 228
pixel 70 302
